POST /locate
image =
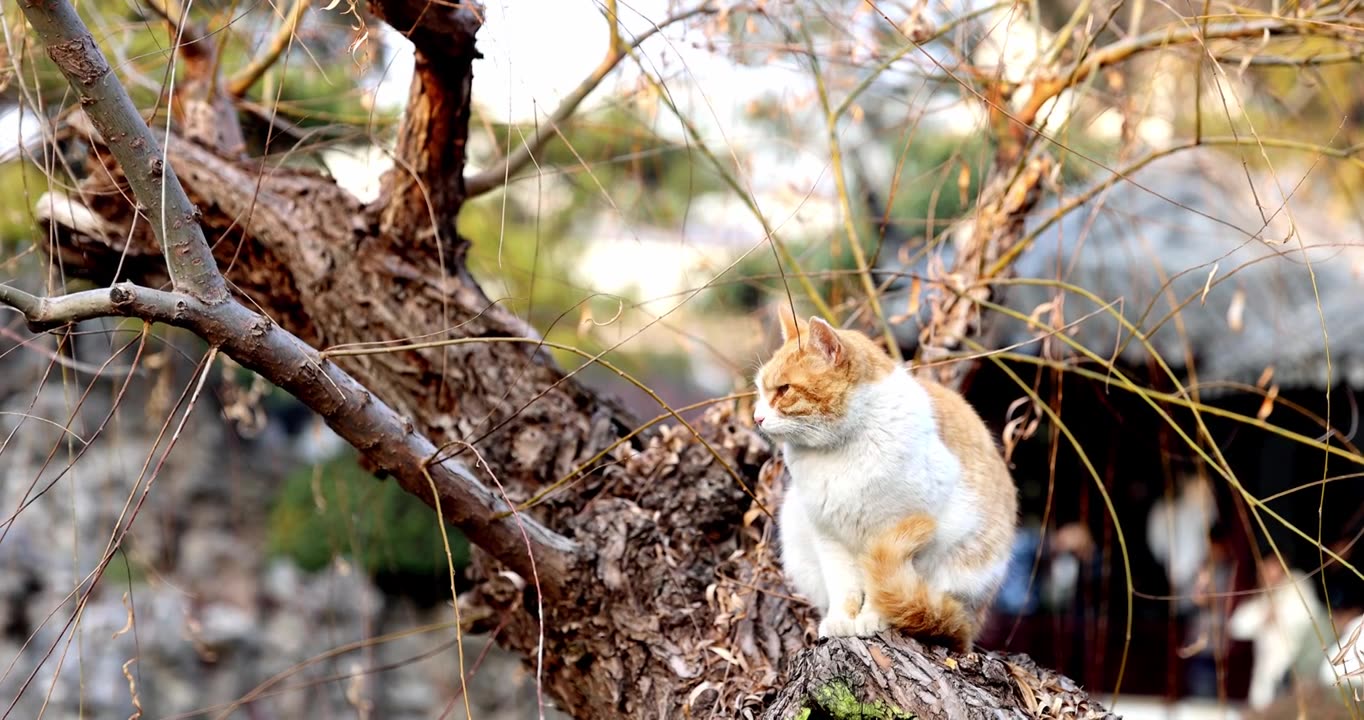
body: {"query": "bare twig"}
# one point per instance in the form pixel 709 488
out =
pixel 361 419
pixel 780 251
pixel 174 219
pixel 189 31
pixel 841 184
pixel 29 305
pixel 1047 88
pixel 200 303
pixel 205 113
pixel 498 175
pixel 242 81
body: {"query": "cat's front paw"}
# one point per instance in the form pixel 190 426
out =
pixel 868 623
pixel 838 625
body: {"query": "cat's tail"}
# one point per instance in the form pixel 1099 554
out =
pixel 900 596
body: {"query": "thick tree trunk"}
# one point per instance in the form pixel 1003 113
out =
pixel 897 678
pixel 677 608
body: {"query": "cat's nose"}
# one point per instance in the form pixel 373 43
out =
pixel 759 417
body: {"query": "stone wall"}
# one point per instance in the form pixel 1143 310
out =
pixel 192 616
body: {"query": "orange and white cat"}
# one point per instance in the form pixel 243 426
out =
pixel 901 511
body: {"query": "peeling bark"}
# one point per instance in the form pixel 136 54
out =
pixel 895 678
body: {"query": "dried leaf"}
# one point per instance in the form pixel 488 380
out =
pixel 964 184
pixel 912 309
pixel 1236 311
pixel 1348 645
pixel 129 624
pixel 359 44
pixel 726 655
pixel 698 690
pixel 1023 680
pixel 1265 377
pixel 1035 317
pixel 1267 406
pixel 132 689
pixel 1207 284
pixel 879 656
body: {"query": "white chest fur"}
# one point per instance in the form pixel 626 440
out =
pixel 890 463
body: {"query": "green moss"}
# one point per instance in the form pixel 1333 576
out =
pixel 836 701
pixel 344 511
pixel 123 572
pixel 23 183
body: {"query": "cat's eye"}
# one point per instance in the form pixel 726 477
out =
pixel 782 388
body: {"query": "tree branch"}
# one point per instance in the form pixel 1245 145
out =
pixel 674 561
pixel 205 113
pixel 1047 88
pixel 189 32
pixel 29 305
pixel 498 175
pixel 173 218
pixel 428 173
pixel 892 676
pixel 201 304
pixel 242 81
pixel 366 422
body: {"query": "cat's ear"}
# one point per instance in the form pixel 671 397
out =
pixel 825 341
pixel 789 326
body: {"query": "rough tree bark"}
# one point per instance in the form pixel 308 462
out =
pixel 661 593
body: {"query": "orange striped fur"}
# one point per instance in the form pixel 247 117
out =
pixel 901 510
pixel 900 595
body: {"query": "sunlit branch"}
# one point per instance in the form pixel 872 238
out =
pixel 172 13
pixel 1046 89
pixel 845 204
pixel 200 303
pixel 498 175
pixel 242 81
pixel 1339 58
pixel 361 419
pixel 160 196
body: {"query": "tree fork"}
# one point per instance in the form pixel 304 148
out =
pixel 111 110
pixel 672 603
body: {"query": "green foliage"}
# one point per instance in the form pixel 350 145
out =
pixel 344 511
pixel 928 193
pixel 757 279
pixel 23 184
pixel 524 250
pixel 313 85
pixel 648 178
pixel 123 571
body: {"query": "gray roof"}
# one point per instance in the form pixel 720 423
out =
pixel 1184 219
